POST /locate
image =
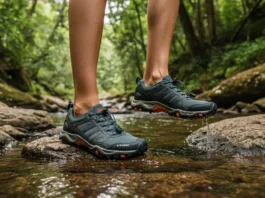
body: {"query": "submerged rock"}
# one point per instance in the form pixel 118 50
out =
pixel 28 119
pixel 51 148
pixel 242 135
pixel 246 86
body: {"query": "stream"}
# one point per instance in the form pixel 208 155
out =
pixel 169 169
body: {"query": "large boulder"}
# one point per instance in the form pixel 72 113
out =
pixel 13 97
pixel 246 86
pixel 51 148
pixel 27 119
pixel 242 135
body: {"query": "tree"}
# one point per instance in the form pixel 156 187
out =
pixel 192 39
pixel 211 21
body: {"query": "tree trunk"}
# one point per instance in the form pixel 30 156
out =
pixel 192 39
pixel 241 26
pixel 32 9
pixel 140 27
pixel 211 21
pixel 199 23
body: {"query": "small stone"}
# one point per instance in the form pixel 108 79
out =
pixel 51 148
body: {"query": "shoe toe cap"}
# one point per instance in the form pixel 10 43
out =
pixel 139 144
pixel 203 106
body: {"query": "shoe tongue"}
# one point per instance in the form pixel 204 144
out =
pixel 167 78
pixel 96 109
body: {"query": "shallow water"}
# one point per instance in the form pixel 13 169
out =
pixel 169 169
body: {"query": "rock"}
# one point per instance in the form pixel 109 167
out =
pixel 13 97
pixel 28 119
pixel 246 86
pixel 246 107
pixel 230 111
pixel 6 140
pixel 13 132
pixel 49 132
pixel 203 96
pixel 242 135
pixel 260 104
pixel 55 104
pixel 3 104
pixel 51 148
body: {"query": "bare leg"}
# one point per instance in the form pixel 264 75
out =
pixel 162 15
pixel 86 19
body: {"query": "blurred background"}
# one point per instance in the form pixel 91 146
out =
pixel 213 41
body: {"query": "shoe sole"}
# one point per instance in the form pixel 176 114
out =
pixel 73 139
pixel 156 107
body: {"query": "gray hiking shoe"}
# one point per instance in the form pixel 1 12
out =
pixel 98 131
pixel 165 96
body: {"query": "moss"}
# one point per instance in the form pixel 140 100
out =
pixel 14 97
pixel 246 86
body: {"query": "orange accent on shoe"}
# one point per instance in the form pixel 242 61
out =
pixel 177 115
pixel 158 108
pixel 96 152
pixel 80 143
pixel 123 156
pixel 140 109
pixel 201 115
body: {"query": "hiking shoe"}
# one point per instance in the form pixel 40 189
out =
pixel 98 131
pixel 165 96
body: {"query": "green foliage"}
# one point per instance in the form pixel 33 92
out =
pixel 36 40
pixel 234 58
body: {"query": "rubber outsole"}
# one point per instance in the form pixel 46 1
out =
pixel 99 152
pixel 156 107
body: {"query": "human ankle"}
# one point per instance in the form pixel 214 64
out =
pixel 82 108
pixel 153 78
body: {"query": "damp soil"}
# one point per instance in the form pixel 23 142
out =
pixel 169 169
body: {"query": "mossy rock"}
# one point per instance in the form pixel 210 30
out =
pixel 13 97
pixel 246 86
pixel 260 103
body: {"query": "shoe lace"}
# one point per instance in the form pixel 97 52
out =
pixel 108 122
pixel 173 85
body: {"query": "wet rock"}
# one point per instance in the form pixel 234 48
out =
pixel 243 107
pixel 51 148
pixel 6 140
pixel 48 133
pixel 13 132
pixel 260 104
pixel 14 97
pixel 242 135
pixel 28 119
pixel 246 86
